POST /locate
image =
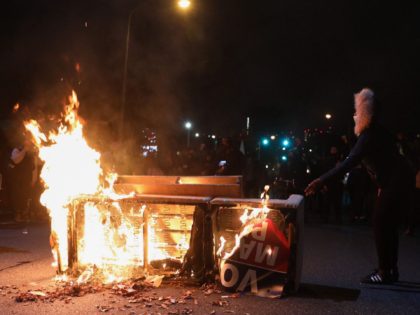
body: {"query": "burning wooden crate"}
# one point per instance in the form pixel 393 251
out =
pixel 132 236
pixel 164 228
pixel 259 246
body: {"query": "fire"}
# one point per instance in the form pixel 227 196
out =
pixel 16 107
pixel 106 245
pixel 248 219
pixel 71 168
pixel 112 237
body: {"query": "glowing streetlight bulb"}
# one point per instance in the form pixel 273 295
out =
pixel 184 4
pixel 328 116
pixel 273 137
pixel 197 135
pixel 188 125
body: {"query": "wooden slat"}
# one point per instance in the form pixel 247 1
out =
pixel 230 190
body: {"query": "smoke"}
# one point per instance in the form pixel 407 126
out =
pixel 81 46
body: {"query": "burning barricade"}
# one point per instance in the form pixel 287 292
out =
pixel 259 244
pixel 114 228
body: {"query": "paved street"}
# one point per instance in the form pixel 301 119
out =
pixel 334 259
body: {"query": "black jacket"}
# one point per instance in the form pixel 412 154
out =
pixel 378 152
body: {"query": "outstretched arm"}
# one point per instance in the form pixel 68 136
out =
pixel 354 158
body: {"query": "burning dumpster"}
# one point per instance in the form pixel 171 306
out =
pixel 259 245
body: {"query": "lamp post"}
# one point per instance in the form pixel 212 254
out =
pixel 124 86
pixel 183 5
pixel 188 126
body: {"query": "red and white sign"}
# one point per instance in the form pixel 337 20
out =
pixel 265 247
pixel 262 256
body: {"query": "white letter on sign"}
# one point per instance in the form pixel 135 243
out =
pixel 251 277
pixel 246 249
pixel 260 232
pixel 270 253
pixel 234 277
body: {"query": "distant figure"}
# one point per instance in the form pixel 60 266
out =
pixel 376 149
pixel 230 160
pixel 206 159
pixel 4 171
pixel 333 195
pixel 253 173
pixel 23 170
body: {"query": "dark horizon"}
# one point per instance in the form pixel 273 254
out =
pixel 284 64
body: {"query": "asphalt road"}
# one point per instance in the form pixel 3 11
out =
pixel 335 257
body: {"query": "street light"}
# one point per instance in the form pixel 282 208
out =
pixel 182 4
pixel 328 116
pixel 188 126
pixel 265 141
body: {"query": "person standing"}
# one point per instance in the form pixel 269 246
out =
pixel 377 150
pixel 23 178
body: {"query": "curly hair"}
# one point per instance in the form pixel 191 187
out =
pixel 364 105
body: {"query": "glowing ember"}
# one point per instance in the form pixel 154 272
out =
pixel 16 107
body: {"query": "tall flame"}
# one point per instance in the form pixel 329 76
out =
pixel 70 168
pixel 111 236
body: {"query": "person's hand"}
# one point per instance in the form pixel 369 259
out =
pixel 313 187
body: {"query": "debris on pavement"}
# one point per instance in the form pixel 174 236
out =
pixel 127 296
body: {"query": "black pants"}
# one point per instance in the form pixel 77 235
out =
pixel 391 205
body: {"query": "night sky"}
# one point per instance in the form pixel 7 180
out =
pixel 283 63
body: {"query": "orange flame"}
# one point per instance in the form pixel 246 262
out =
pixel 248 219
pixel 72 169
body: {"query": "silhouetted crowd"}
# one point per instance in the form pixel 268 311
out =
pixel 348 199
